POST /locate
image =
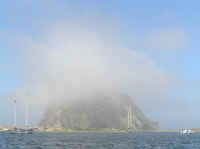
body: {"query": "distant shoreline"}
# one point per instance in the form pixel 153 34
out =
pixel 111 130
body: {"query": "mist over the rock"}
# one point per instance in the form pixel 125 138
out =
pixel 70 61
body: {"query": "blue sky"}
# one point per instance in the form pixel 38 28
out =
pixel 21 19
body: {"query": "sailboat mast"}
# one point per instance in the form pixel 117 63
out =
pixel 134 120
pixel 128 118
pixel 26 114
pixel 15 112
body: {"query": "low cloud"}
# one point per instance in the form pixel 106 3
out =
pixel 166 39
pixel 69 61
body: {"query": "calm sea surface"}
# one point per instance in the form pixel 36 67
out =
pixel 99 141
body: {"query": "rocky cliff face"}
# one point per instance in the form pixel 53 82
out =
pixel 97 111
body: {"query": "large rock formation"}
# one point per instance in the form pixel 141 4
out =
pixel 97 112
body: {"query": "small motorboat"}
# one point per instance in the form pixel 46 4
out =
pixel 187 131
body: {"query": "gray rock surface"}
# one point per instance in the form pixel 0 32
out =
pixel 97 111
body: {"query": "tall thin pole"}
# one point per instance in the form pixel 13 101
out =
pixel 26 114
pixel 131 117
pixel 15 113
pixel 134 120
pixel 128 116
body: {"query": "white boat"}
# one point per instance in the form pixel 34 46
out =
pixel 187 131
pixel 4 130
pixel 26 129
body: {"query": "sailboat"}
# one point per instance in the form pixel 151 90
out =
pixel 131 118
pixel 28 129
pixel 25 130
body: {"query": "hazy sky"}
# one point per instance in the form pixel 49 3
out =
pixel 156 42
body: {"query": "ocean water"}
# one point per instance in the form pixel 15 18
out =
pixel 99 141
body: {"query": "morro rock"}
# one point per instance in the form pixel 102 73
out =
pixel 97 111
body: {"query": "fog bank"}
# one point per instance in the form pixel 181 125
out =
pixel 68 61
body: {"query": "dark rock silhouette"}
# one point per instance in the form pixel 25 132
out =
pixel 96 111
